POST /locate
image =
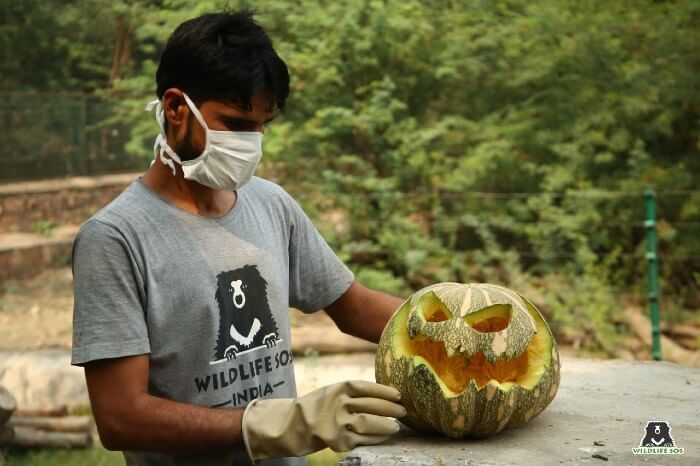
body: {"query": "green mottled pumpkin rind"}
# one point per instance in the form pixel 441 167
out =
pixel 473 412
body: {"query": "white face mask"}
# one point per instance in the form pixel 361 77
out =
pixel 228 160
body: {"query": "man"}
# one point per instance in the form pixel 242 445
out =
pixel 184 281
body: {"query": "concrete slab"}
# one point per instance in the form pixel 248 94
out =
pixel 598 416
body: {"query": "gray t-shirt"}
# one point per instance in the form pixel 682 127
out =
pixel 207 298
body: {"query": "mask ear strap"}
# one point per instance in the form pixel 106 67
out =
pixel 164 147
pixel 161 141
pixel 200 119
pixel 160 117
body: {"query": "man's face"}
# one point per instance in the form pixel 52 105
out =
pixel 219 116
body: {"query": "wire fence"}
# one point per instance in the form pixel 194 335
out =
pixel 520 195
pixel 57 135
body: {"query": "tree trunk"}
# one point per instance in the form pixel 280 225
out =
pixel 670 351
pixel 33 438
pixel 54 424
pixel 122 48
pixel 7 405
pixel 7 434
pixel 327 340
pixel 61 410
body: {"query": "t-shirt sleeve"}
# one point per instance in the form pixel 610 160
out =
pixel 317 277
pixel 108 311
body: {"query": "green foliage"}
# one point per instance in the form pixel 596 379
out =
pixel 81 410
pixel 70 42
pixel 425 106
pixel 94 456
pixel 10 286
pixel 403 111
pixel 45 227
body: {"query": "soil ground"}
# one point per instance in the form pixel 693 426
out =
pixel 37 313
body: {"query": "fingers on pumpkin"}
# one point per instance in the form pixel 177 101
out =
pixel 362 388
pixel 375 406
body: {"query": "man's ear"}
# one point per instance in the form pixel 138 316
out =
pixel 175 109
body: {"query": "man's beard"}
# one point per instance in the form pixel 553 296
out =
pixel 185 149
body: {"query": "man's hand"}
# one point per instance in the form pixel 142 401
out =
pixel 339 416
pixel 129 418
pixel 362 312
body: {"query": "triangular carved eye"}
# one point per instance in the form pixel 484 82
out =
pixel 490 319
pixel 432 309
pixel 437 315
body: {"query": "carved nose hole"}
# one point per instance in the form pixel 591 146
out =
pixel 490 319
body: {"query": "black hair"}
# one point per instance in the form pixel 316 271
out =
pixel 222 56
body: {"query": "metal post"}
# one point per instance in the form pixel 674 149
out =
pixel 82 152
pixel 653 260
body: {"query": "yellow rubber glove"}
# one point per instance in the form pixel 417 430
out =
pixel 339 416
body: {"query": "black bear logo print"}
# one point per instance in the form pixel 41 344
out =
pixel 657 434
pixel 245 318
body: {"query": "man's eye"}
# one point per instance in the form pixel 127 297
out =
pixel 238 126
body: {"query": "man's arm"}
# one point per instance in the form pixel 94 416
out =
pixel 129 418
pixel 362 312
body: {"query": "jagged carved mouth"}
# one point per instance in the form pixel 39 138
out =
pixel 458 371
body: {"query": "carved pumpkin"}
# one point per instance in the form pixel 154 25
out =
pixel 469 359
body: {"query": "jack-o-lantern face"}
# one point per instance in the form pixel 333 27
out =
pixel 469 360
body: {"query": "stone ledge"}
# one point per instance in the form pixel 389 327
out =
pixel 11 241
pixel 24 206
pixel 23 255
pixel 70 183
